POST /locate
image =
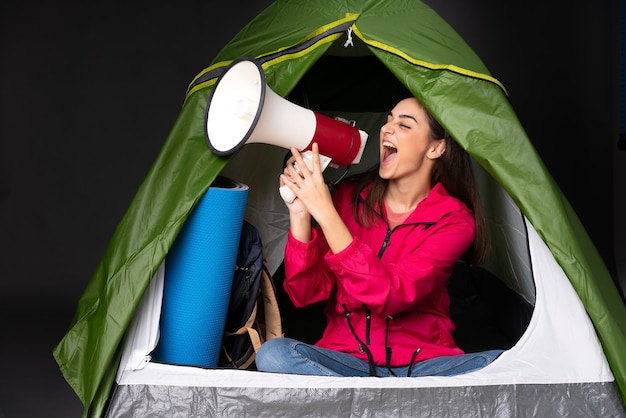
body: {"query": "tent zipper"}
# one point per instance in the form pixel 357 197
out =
pixel 295 49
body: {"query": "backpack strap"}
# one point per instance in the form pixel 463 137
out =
pixel 272 326
pixel 273 321
pixel 253 334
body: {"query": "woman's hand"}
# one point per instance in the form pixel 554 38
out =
pixel 295 206
pixel 307 184
pixel 299 216
pixel 313 196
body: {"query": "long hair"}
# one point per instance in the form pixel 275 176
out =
pixel 453 170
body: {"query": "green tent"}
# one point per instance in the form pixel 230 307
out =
pixel 357 58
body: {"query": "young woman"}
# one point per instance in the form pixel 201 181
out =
pixel 381 255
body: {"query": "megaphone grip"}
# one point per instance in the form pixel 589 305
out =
pixel 307 156
pixel 286 193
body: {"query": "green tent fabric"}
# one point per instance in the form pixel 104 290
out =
pixel 421 51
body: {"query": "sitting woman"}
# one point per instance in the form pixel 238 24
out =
pixel 380 256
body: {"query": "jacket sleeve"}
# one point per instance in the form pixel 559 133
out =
pixel 390 288
pixel 308 278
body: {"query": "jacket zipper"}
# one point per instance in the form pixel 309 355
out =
pixel 390 231
pixel 385 243
pixel 368 322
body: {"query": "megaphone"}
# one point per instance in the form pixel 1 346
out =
pixel 242 109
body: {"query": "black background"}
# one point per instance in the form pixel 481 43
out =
pixel 89 92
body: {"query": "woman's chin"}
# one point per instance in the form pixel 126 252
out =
pixel 384 171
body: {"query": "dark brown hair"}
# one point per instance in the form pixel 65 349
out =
pixel 453 170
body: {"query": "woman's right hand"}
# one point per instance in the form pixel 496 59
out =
pixel 296 206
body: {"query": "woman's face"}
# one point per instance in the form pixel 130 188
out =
pixel 406 149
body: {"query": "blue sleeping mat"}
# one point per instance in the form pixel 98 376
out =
pixel 199 270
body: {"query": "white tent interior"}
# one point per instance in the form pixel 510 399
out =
pixel 557 359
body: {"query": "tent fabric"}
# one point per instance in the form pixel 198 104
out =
pixel 432 62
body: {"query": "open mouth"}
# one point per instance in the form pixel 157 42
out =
pixel 389 151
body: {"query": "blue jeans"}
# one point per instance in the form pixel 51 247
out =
pixel 286 355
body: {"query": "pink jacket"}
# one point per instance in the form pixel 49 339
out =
pixel 399 301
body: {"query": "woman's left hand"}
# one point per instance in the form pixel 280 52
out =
pixel 308 185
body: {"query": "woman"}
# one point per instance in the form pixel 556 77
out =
pixel 381 256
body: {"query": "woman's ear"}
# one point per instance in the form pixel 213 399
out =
pixel 438 148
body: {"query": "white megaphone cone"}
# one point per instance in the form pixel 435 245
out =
pixel 242 109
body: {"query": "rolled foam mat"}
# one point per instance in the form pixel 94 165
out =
pixel 199 270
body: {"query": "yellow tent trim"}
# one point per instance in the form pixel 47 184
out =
pixel 403 55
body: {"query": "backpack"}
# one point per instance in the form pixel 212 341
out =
pixel 253 315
